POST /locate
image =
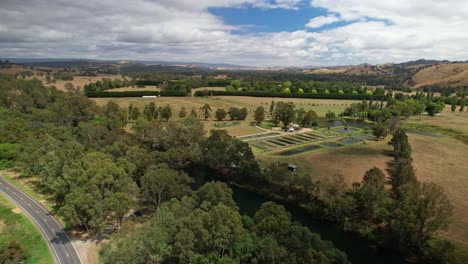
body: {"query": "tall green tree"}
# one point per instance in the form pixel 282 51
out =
pixel 166 112
pixel 423 210
pixel 220 114
pixel 206 111
pixel 259 115
pixel 161 183
pixel 284 112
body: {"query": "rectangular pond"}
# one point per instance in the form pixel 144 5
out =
pixel 345 130
pixel 258 136
pixel 361 136
pixel 349 123
pixel 332 144
pixel 424 133
pixel 290 152
pixel 350 140
pixel 276 142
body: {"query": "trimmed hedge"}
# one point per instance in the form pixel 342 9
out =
pixel 148 82
pixel 135 94
pixel 291 95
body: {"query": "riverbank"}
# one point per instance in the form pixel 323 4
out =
pixel 249 199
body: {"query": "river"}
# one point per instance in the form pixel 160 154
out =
pixel 358 250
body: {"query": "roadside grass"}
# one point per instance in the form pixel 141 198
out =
pixel 16 226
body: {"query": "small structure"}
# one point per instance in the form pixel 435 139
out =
pixel 292 167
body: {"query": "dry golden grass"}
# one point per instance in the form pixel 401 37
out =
pixel 456 120
pixel 453 74
pixel 80 81
pixel 350 161
pixel 445 161
pixel 251 103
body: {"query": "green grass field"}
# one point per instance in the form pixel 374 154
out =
pixel 14 225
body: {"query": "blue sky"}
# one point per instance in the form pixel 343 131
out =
pixel 244 32
pixel 267 20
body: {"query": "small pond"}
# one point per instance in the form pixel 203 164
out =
pixel 367 137
pixel 350 140
pixel 331 144
pixel 258 136
pixel 345 130
pixel 290 152
pixel 350 123
pixel 425 133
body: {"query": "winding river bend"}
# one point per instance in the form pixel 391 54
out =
pixel 358 250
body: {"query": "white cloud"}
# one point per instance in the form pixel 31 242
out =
pixel 321 21
pixel 185 30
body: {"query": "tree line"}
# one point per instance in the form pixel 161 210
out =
pixel 96 172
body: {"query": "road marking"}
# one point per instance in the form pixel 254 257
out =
pixel 37 211
pixel 68 255
pixel 21 198
pixel 44 219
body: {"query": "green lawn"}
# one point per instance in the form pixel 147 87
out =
pixel 16 226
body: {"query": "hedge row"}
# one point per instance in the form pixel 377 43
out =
pixel 135 94
pixel 290 95
pixel 148 82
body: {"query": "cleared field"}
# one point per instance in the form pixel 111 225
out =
pixel 445 161
pixel 447 119
pixel 14 225
pixel 351 161
pixel 321 106
pixel 80 81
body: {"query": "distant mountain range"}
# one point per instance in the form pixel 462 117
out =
pixel 412 73
pixel 79 62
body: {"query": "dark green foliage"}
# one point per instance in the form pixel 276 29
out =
pixel 284 112
pixel 229 155
pixel 289 95
pixel 401 146
pixel 379 130
pixel 220 114
pixel 207 228
pixel 93 94
pixel 106 84
pixel 237 113
pixel 166 112
pixel 259 115
pixel 434 108
pixel 8 153
pixel 12 253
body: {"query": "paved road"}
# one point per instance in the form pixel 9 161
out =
pixel 51 229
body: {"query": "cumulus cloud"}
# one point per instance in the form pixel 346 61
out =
pixel 321 21
pixel 185 30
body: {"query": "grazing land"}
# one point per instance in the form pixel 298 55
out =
pixel 14 225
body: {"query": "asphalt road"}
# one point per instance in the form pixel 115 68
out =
pixel 51 229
